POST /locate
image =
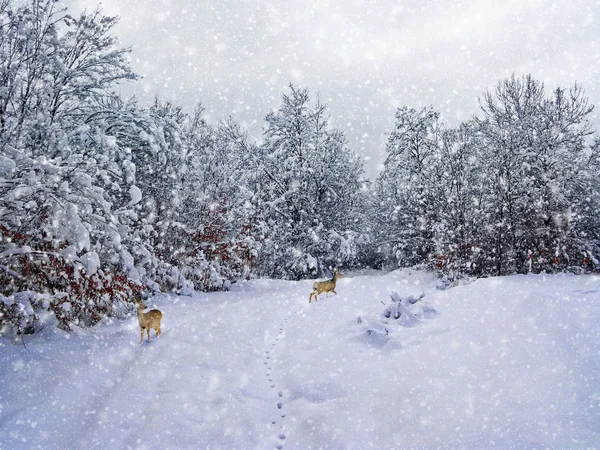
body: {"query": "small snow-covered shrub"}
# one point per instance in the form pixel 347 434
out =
pixel 377 331
pixel 408 310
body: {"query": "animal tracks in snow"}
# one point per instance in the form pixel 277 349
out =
pixel 270 362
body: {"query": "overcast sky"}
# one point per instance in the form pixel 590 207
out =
pixel 366 58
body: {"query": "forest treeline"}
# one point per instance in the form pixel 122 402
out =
pixel 101 196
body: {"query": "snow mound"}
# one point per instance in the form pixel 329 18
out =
pixel 409 310
pixel 401 312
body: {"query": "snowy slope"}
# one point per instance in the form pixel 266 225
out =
pixel 508 362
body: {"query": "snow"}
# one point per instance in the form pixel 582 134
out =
pixel 91 262
pixel 68 225
pixel 135 194
pixel 509 362
pixel 129 266
pixel 7 167
pixel 69 253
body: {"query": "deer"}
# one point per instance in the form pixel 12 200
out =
pixel 326 286
pixel 148 320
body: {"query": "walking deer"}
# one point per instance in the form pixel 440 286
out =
pixel 148 320
pixel 326 286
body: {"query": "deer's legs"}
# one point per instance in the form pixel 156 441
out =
pixel 141 335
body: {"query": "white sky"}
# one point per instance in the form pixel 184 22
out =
pixel 366 58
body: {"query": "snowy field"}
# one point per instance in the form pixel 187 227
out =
pixel 505 363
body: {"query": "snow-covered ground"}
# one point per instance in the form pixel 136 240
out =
pixel 509 362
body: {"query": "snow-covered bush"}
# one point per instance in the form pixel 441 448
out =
pixel 68 291
pixel 401 312
pixel 408 310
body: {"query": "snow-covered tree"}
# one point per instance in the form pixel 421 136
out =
pixel 406 187
pixel 217 203
pixel 312 193
pixel 543 170
pixel 459 182
pixel 519 182
pixel 54 214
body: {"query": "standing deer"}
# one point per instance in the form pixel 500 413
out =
pixel 148 320
pixel 324 286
